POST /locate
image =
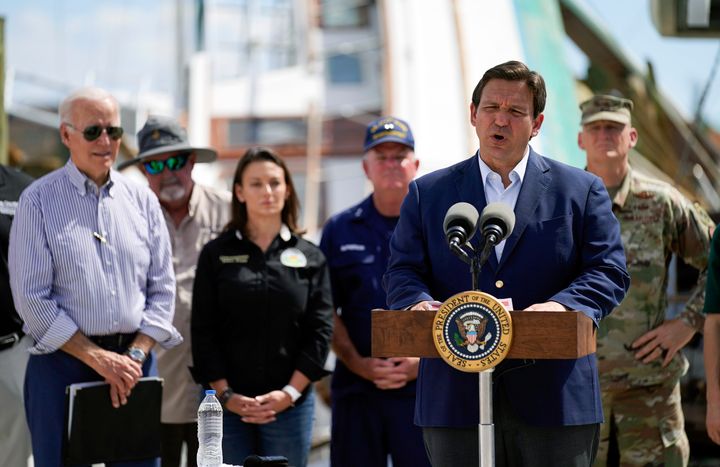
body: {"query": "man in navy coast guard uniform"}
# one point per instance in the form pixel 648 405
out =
pixel 372 398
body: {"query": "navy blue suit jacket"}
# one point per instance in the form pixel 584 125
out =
pixel 565 247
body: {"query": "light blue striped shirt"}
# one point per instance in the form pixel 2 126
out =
pixel 495 190
pixel 92 260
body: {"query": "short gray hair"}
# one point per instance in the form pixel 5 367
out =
pixel 88 93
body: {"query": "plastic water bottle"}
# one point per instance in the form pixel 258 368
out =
pixel 210 431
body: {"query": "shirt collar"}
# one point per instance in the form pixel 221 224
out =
pixel 624 190
pixel 517 173
pixel 285 233
pixel 81 181
pixel 194 200
pixel 364 209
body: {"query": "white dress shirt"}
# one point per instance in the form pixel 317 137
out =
pixel 495 190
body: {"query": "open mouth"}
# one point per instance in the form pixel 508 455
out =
pixel 498 137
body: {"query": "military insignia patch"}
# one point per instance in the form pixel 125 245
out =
pixel 472 331
pixel 293 258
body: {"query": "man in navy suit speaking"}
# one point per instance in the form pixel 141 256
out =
pixel 564 254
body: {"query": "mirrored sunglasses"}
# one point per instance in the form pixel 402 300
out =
pixel 173 163
pixel 93 132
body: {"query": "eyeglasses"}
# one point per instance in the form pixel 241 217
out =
pixel 173 163
pixel 93 132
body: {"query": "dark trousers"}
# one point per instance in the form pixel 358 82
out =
pixel 45 381
pixel 367 428
pixel 517 444
pixel 173 435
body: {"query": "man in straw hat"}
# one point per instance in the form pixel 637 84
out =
pixel 194 214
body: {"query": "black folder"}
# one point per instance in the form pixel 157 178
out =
pixel 96 432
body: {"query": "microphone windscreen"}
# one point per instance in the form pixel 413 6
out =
pixel 498 213
pixel 463 213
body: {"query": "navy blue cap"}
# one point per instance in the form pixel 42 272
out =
pixel 388 130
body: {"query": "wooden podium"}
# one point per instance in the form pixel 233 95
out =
pixel 536 334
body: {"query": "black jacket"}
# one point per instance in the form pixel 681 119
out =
pixel 256 320
pixel 12 183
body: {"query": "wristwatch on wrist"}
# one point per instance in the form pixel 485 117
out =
pixel 225 396
pixel 137 354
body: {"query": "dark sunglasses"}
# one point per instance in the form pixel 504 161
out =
pixel 93 132
pixel 173 163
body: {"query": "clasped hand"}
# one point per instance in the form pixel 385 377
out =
pixel 121 372
pixel 390 373
pixel 260 409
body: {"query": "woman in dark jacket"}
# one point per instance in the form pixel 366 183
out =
pixel 262 316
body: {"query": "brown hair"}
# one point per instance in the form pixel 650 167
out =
pixel 289 214
pixel 515 71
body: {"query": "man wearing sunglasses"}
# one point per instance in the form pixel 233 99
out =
pixel 91 274
pixel 194 214
pixel 638 349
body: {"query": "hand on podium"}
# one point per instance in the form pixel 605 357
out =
pixel 426 305
pixel 547 306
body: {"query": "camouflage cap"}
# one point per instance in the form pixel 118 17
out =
pixel 606 107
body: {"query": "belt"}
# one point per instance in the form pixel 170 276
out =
pixel 9 340
pixel 114 342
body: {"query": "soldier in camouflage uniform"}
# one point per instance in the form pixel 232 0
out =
pixel 639 356
pixel 711 339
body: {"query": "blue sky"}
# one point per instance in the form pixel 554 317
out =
pixel 115 44
pixel 129 45
pixel 682 66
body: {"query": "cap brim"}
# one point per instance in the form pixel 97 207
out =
pixel 388 139
pixel 606 115
pixel 201 154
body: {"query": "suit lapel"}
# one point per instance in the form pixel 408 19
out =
pixel 470 186
pixel 535 183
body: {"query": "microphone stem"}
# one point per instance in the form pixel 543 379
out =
pixel 475 272
pixel 459 252
pixel 490 241
pixel 485 255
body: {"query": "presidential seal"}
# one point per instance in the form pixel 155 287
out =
pixel 472 331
